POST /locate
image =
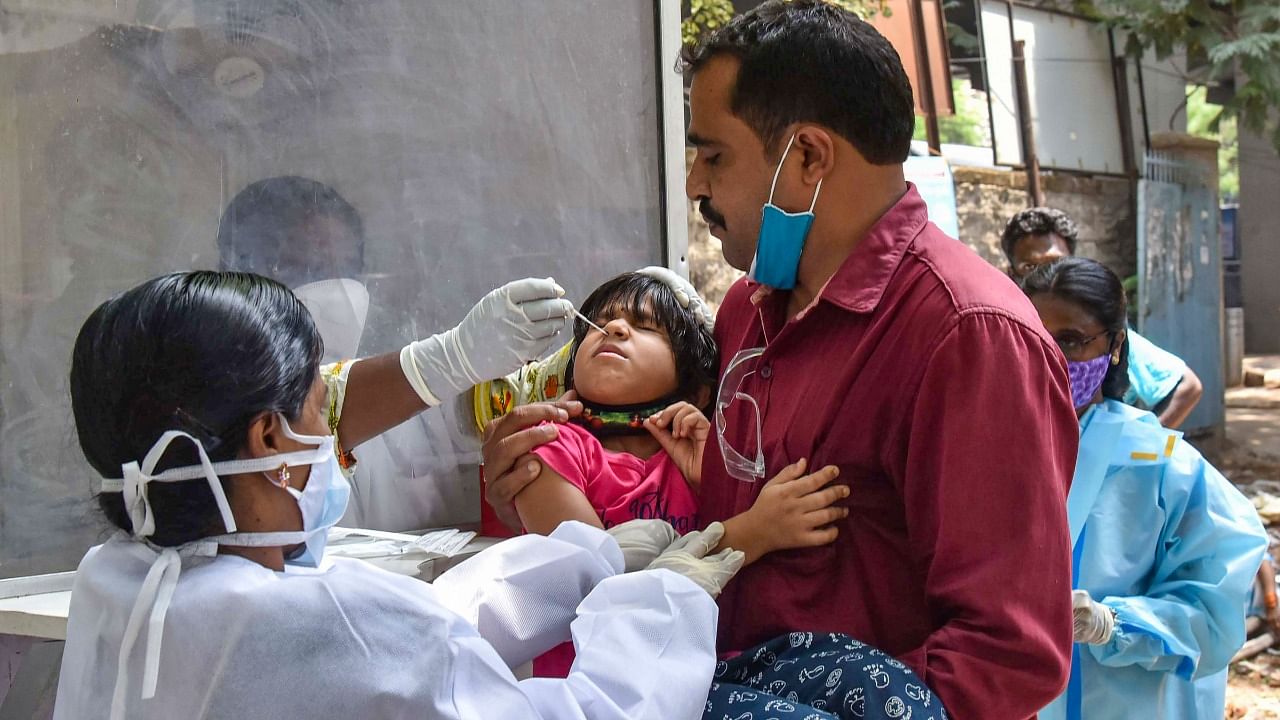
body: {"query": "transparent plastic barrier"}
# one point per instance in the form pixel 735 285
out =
pixel 431 150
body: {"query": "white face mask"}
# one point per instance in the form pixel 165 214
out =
pixel 339 308
pixel 321 503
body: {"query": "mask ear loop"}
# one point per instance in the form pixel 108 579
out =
pixel 137 479
pixel 816 191
pixel 778 171
pixel 307 439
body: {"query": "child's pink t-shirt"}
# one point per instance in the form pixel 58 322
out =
pixel 620 487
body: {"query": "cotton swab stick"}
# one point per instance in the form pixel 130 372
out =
pixel 587 320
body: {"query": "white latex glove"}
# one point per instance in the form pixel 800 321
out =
pixel 507 328
pixel 642 541
pixel 1093 622
pixel 688 557
pixel 686 294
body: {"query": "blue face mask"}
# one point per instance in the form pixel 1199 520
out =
pixel 782 236
pixel 323 503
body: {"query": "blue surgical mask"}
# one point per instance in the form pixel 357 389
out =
pixel 322 502
pixel 780 242
pixel 320 511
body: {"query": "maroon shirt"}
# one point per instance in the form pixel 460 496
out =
pixel 925 375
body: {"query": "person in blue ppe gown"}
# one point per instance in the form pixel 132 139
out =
pixel 1165 547
pixel 1158 380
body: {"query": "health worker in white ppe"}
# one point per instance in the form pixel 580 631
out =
pixel 306 235
pixel 198 398
pixel 1165 547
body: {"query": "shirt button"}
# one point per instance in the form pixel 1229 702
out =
pixel 766 372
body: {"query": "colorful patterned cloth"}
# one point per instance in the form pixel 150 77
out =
pixel 536 382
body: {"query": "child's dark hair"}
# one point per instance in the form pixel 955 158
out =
pixel 697 359
pixel 1099 292
pixel 201 352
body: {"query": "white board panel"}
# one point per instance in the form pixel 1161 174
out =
pixel 1070 88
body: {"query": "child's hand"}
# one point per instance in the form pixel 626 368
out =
pixel 795 510
pixel 682 431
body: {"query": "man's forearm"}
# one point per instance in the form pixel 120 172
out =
pixel 1185 398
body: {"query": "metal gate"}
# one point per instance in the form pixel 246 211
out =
pixel 1180 275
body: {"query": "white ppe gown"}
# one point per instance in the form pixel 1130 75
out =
pixel 348 640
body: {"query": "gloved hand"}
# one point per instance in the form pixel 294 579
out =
pixel 642 541
pixel 688 557
pixel 1093 622
pixel 507 328
pixel 685 293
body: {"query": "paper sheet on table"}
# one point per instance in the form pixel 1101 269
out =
pixel 360 543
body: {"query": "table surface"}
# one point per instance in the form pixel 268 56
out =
pixel 41 616
pixel 44 614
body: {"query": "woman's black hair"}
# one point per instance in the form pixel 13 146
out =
pixel 639 296
pixel 202 352
pixel 1098 291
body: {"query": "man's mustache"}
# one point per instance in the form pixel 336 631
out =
pixel 709 213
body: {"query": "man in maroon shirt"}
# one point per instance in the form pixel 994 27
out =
pixel 898 356
pixel 889 351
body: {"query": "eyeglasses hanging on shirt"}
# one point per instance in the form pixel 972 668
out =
pixel 732 402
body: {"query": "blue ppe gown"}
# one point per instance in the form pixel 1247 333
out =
pixel 1153 372
pixel 1169 544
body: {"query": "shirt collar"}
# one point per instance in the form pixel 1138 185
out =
pixel 860 282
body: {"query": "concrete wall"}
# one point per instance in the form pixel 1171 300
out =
pixel 1101 206
pixel 1259 228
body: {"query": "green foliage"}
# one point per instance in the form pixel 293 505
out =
pixel 969 125
pixel 957 36
pixel 1209 121
pixel 705 16
pixel 865 9
pixel 1239 38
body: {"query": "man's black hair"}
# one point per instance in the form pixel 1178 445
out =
pixel 270 214
pixel 640 297
pixel 811 61
pixel 1038 221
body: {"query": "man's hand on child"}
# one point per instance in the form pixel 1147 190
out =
pixel 509 466
pixel 682 431
pixel 795 510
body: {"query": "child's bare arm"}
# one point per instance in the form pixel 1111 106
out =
pixel 793 510
pixel 550 500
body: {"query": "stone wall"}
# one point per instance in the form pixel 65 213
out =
pixel 1101 206
pixel 986 198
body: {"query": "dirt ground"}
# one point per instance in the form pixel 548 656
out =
pixel 1252 461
